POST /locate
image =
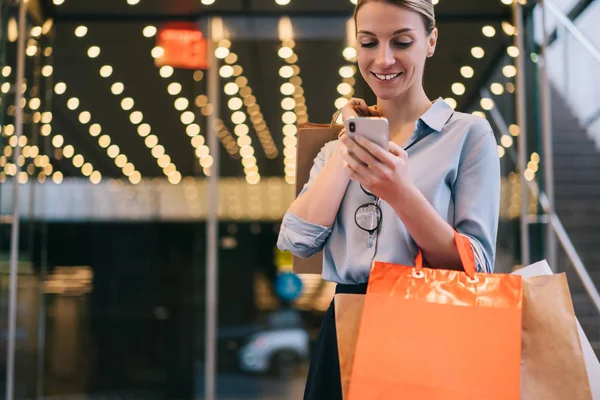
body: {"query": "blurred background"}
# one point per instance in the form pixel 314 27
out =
pixel 148 155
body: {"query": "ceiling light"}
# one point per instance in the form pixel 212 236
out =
pixel 166 71
pixel 507 2
pixel 57 177
pixel 238 117
pixel 226 71
pixel 231 88
pixel 6 71
pixel 349 53
pixel 288 89
pixel 133 2
pixel 36 31
pixel 187 117
pixel 35 103
pixel 144 130
pixel 58 141
pixel 288 103
pixel 241 130
pixel 104 141
pixel 286 71
pixel 84 117
pixel 106 71
pixel 282 2
pixel 344 89
pixel 458 88
pixel 235 103
pixel 68 151
pixel 347 71
pixel 113 151
pixel 117 88
pixel 81 31
pixel 487 104
pixel 508 28
pixel 157 52
pixel 174 88
pixel 58 2
pixel 78 160
pixel 192 130
pixel 506 141
pixel 207 2
pixel 149 31
pixel 93 52
pixel 181 103
pixel 136 117
pixel 47 70
pixel 73 103
pixel 488 31
pixel 497 88
pixel 509 71
pixel 513 51
pixel 95 177
pixel 95 129
pixel 285 52
pixel 121 160
pixel 31 50
pixel 127 103
pixel 221 52
pixel 477 52
pixel 467 72
pixel 289 117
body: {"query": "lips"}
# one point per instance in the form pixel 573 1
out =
pixel 386 77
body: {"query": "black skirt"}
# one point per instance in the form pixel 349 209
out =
pixel 324 379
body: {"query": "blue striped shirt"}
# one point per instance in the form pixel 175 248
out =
pixel 453 161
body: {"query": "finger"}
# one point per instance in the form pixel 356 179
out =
pixel 374 112
pixel 397 150
pixel 355 164
pixel 359 105
pixel 360 152
pixel 376 151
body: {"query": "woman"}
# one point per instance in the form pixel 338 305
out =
pixel 440 175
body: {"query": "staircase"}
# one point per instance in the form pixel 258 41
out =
pixel 577 196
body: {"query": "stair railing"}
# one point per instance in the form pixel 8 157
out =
pixel 550 215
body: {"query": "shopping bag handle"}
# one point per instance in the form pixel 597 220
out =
pixel 465 251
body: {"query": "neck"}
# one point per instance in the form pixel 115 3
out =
pixel 405 109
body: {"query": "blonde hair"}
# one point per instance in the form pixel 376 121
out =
pixel 423 7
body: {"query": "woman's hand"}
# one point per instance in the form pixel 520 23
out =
pixel 358 108
pixel 381 172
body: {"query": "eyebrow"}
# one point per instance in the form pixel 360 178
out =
pixel 399 31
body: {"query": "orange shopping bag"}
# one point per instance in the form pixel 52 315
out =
pixel 438 334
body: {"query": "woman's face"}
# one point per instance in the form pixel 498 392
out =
pixel 392 48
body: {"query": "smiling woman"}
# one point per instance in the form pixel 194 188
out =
pixel 452 185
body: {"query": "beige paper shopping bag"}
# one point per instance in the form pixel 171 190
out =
pixel 348 309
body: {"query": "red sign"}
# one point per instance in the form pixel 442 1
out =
pixel 184 47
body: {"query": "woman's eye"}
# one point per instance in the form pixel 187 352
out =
pixel 403 45
pixel 368 44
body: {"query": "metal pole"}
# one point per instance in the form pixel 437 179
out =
pixel 212 226
pixel 14 245
pixel 522 122
pixel 547 163
pixel 565 49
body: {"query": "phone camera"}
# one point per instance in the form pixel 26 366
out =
pixel 352 127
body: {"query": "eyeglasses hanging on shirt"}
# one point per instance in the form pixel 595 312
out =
pixel 369 216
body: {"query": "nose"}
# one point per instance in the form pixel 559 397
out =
pixel 385 57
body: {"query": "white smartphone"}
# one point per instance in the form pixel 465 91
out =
pixel 375 129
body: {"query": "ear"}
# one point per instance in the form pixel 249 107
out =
pixel 432 42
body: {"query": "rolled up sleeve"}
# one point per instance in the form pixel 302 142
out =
pixel 302 238
pixel 477 199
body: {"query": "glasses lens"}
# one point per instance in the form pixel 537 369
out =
pixel 368 217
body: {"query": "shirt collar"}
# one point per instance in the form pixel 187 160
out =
pixel 437 115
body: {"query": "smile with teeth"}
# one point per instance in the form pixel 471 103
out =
pixel 386 77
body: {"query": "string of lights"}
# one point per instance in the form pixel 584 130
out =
pixel 293 103
pixel 104 141
pixel 136 118
pixel 182 104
